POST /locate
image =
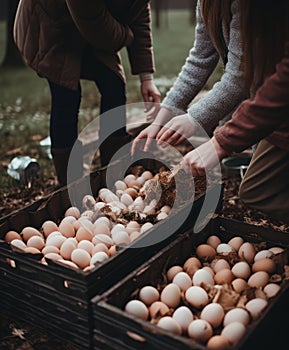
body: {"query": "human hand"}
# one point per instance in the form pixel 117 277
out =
pixel 176 131
pixel 147 135
pixel 203 158
pixel 152 99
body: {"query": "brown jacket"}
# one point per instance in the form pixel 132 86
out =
pixel 265 116
pixel 52 34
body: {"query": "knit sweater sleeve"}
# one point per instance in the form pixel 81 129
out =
pixel 227 93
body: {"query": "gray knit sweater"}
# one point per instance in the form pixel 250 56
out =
pixel 227 93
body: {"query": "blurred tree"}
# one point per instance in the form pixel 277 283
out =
pixel 193 5
pixel 12 56
pixel 160 6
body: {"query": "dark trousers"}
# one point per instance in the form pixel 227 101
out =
pixel 65 105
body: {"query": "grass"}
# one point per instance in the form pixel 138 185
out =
pixel 25 98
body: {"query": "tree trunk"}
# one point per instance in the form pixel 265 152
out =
pixel 12 56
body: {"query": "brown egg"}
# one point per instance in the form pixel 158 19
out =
pixel 66 249
pixel 219 342
pixel 134 184
pixel 213 241
pixel 157 309
pixel 112 250
pixel 172 271
pixel 258 279
pixel 224 276
pixel 239 285
pixel 132 192
pixel 267 265
pixel 236 242
pixel 10 235
pixel 28 232
pixel 192 261
pixel 67 229
pixel 220 264
pixel 48 227
pixel 205 251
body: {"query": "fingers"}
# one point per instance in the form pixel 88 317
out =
pixel 135 143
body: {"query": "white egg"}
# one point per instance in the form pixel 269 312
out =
pixel 263 254
pixel 237 315
pixel 213 313
pixel 197 297
pixel 170 324
pixel 120 185
pixel 149 295
pixel 200 330
pixel 184 316
pixel 234 332
pixel 98 257
pixel 224 248
pixel 171 295
pixel 120 238
pixel 137 308
pixel 202 276
pixel 256 306
pixel 183 280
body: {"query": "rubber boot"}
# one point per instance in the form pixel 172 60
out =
pixel 111 145
pixel 61 160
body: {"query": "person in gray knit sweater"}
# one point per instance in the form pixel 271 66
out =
pixel 214 39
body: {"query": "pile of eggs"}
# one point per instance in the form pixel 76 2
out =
pixel 85 239
pixel 214 295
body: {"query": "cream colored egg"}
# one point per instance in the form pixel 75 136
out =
pixel 88 214
pixel 210 270
pixel 68 263
pixel 112 250
pixel 237 315
pixel 202 276
pixel 101 238
pixel 236 242
pixel 73 211
pixel 191 265
pixel 161 216
pixel 141 180
pixel 66 228
pixel 241 270
pixel 50 249
pixel 171 295
pixel 224 248
pixel 66 249
pixel 213 241
pixel 28 232
pixel 80 257
pixel 170 324
pixel 137 308
pixel 86 224
pixel 166 208
pixel 70 219
pixel 184 316
pixel 197 297
pixel 200 330
pixel 134 235
pixel 213 313
pixel 258 279
pixel 147 175
pixel 36 242
pixel 146 226
pixel 120 238
pixel 234 332
pixel 172 271
pixel 32 250
pixel 120 185
pixel 18 243
pixel 10 235
pixel 100 247
pixel 72 240
pixel 157 309
pixel 117 228
pixel 48 227
pixel 247 252
pixel 256 306
pixel 56 240
pixel 129 177
pixel 83 234
pixel 271 289
pixel 53 234
pixel 149 294
pixel 103 220
pixel 86 245
pixel 101 227
pixel 126 199
pixel 53 256
pixel 224 277
pixel 99 205
pixel 263 254
pixel 183 280
pixel 98 257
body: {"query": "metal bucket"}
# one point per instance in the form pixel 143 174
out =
pixel 236 166
pixel 23 169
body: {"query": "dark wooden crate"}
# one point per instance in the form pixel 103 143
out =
pixel 113 327
pixel 29 290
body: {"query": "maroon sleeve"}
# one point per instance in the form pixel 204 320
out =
pixel 98 26
pixel 258 118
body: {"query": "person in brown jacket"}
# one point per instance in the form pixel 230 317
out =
pixel 65 41
pixel 261 120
